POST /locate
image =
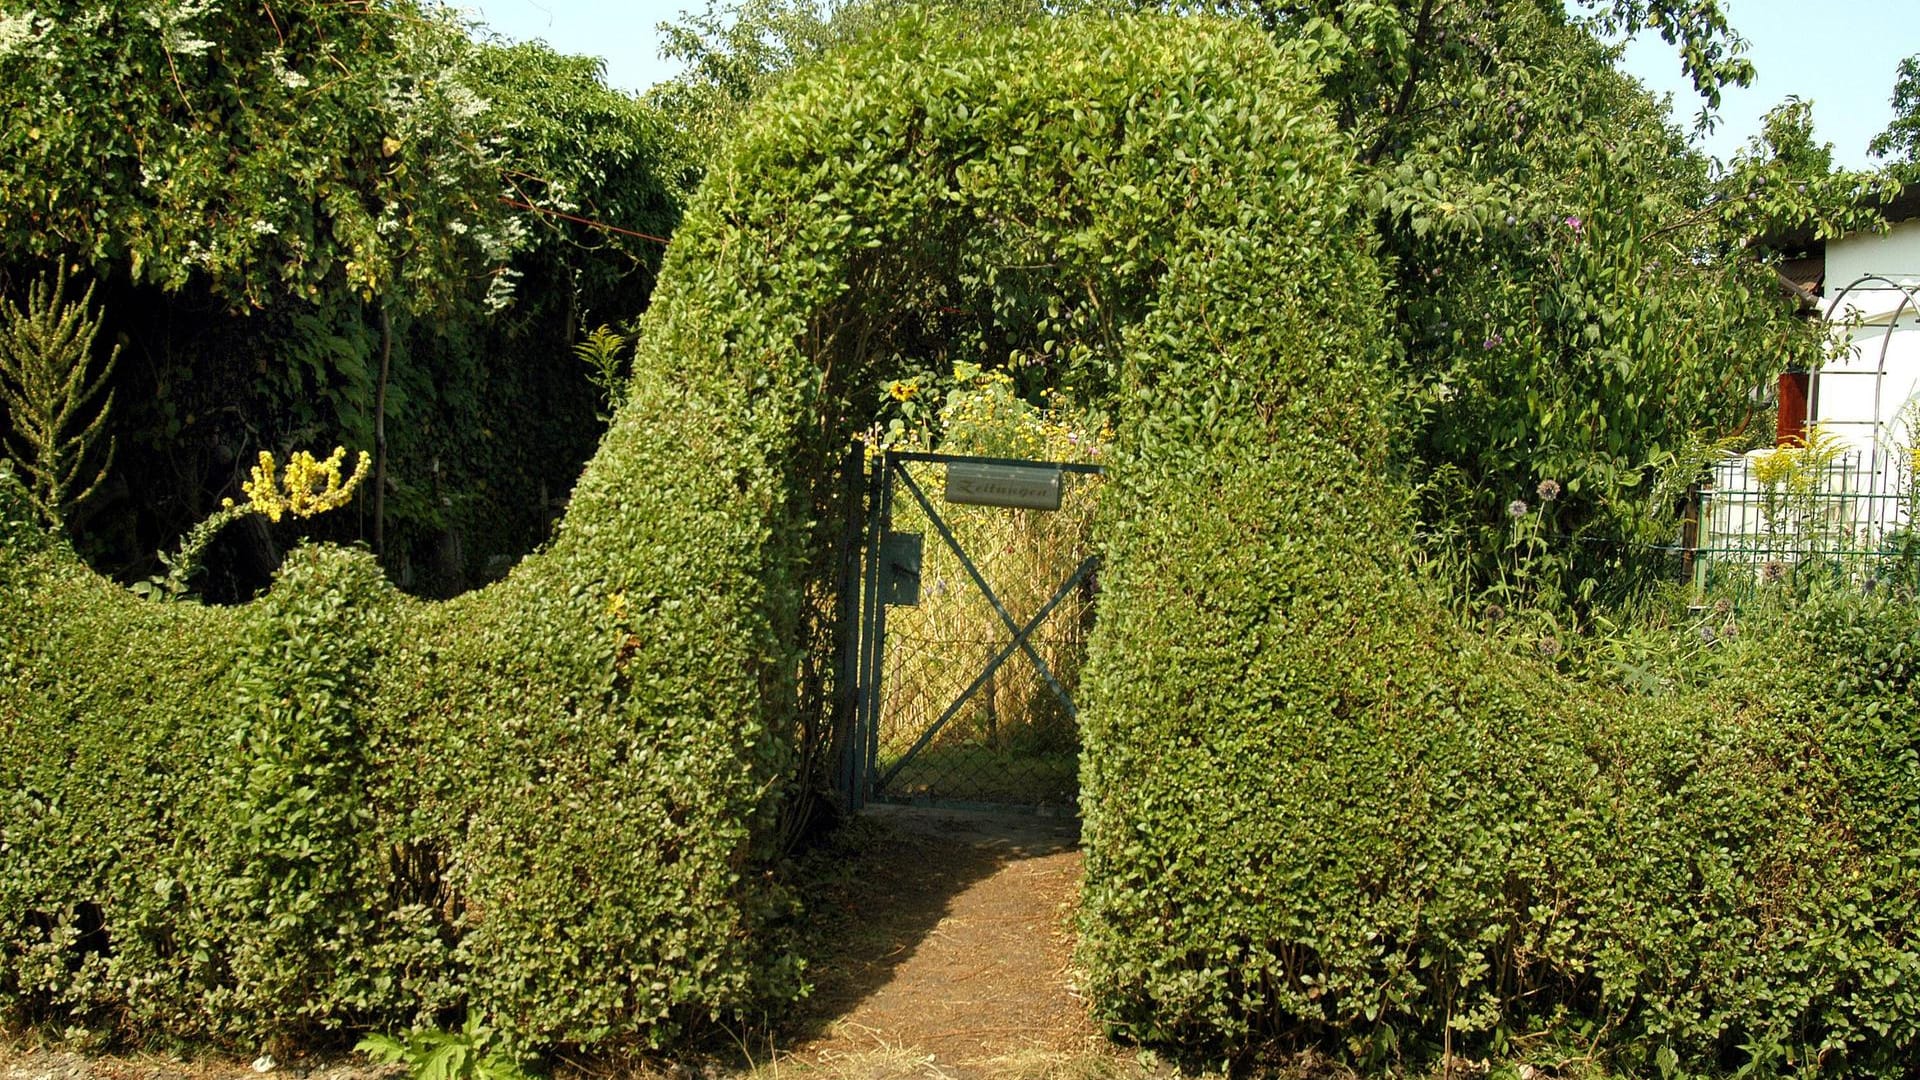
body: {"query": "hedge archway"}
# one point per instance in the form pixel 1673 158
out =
pixel 554 800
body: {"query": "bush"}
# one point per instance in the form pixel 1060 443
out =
pixel 1316 809
pixel 555 803
pixel 1387 835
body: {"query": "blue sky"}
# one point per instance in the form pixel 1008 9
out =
pixel 1840 54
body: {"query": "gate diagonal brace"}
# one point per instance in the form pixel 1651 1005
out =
pixel 940 524
pixel 1019 639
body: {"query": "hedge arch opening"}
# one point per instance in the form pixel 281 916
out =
pixel 1143 215
pixel 620 738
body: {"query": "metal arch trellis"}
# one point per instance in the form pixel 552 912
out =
pixel 883 576
pixel 1909 303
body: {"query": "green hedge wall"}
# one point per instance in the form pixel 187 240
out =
pixel 556 801
pixel 336 807
pixel 1385 830
pixel 1319 812
pixel 1316 809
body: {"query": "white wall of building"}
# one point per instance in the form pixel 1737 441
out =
pixel 1875 282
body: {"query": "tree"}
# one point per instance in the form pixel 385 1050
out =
pixel 1901 140
pixel 306 148
pixel 311 222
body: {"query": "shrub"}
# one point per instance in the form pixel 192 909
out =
pixel 1367 828
pixel 555 803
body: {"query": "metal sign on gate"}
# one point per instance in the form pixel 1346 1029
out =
pixel 1030 487
pixel 894 573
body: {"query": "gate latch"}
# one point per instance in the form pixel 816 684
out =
pixel 900 568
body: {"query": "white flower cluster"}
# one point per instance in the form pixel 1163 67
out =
pixel 17 31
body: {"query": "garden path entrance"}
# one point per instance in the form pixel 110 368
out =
pixel 975 598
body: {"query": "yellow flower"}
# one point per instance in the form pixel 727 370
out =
pixel 309 487
pixel 903 389
pixel 1773 466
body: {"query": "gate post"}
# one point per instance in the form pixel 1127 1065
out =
pixel 873 629
pixel 846 737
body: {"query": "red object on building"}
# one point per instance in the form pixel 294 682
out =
pixel 1790 429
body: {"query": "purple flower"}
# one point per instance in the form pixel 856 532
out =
pixel 1574 223
pixel 1517 508
pixel 1493 341
pixel 1548 490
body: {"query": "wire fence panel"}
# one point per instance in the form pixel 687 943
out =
pixel 1845 517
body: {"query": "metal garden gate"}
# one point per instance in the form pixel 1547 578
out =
pixel 972 605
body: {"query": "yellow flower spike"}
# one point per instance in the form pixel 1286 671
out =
pixel 308 487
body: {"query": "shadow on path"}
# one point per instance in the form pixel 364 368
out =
pixel 945 932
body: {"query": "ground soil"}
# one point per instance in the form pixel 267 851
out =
pixel 954 950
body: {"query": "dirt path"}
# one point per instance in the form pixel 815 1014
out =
pixel 953 959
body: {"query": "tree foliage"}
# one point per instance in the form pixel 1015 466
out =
pixel 306 149
pixel 1901 140
pixel 273 200
pixel 737 50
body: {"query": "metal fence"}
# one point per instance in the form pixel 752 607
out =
pixel 1849 519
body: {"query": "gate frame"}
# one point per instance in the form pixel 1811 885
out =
pixel 863 653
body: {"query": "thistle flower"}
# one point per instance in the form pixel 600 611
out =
pixel 1517 508
pixel 1548 490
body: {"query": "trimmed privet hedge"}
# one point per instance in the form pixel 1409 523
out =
pixel 338 807
pixel 556 802
pixel 1384 830
pixel 1318 811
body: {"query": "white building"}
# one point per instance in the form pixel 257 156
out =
pixel 1871 295
pixel 1867 288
